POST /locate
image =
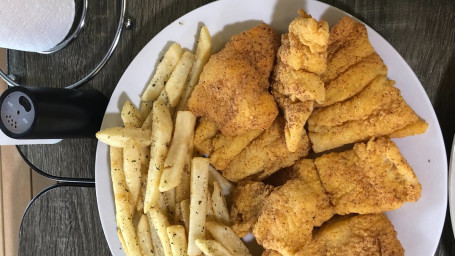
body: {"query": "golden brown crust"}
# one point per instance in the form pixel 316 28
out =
pixel 265 155
pixel 233 87
pixel 247 203
pixel 355 235
pixel 372 178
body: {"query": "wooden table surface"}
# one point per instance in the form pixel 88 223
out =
pixel 422 31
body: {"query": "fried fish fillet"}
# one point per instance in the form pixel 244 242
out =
pixel 304 47
pixel 247 203
pixel 354 79
pixel 205 131
pixel 292 211
pixel 233 87
pixel 379 110
pixel 225 148
pixel 265 155
pixel 296 82
pixel 296 115
pixel 371 178
pixel 355 235
pixel 348 44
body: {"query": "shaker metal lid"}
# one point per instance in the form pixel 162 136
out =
pixel 17 112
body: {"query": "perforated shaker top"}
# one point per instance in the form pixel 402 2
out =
pixel 17 112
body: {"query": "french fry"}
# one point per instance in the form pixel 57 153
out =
pixel 177 238
pixel 131 116
pixel 212 248
pixel 132 169
pixel 227 238
pixel 145 107
pixel 160 223
pixel 144 237
pixel 161 136
pixel 176 83
pixel 185 211
pixel 155 238
pixel 163 72
pixel 170 203
pixel 122 241
pixel 210 214
pixel 122 205
pixel 219 205
pixel 198 203
pixel 175 160
pixel 226 186
pixel 148 121
pixel 204 48
pixel 118 136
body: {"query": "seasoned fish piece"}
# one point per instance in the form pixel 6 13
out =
pixel 247 203
pixel 225 148
pixel 292 211
pixel 371 178
pixel 233 87
pixel 354 79
pixel 265 155
pixel 355 235
pixel 348 44
pixel 205 131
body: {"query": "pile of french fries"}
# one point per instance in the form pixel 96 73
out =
pixel 166 200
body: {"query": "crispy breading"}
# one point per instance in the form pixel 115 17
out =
pixel 371 178
pixel 233 87
pixel 292 211
pixel 354 79
pixel 419 127
pixel 304 47
pixel 205 131
pixel 247 203
pixel 298 170
pixel 296 115
pixel 270 253
pixel 363 116
pixel 297 84
pixel 348 44
pixel 379 95
pixel 225 148
pixel 265 155
pixel 355 235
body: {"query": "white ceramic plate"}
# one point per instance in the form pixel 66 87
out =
pixel 452 185
pixel 419 225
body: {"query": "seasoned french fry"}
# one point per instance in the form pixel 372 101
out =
pixel 118 136
pixel 131 116
pixel 155 238
pixel 226 186
pixel 219 205
pixel 185 211
pixel 132 169
pixel 204 47
pixel 160 223
pixel 210 214
pixel 145 107
pixel 170 203
pixel 163 72
pixel 148 121
pixel 212 248
pixel 177 238
pixel 122 205
pixel 122 241
pixel 198 202
pixel 182 191
pixel 144 237
pixel 178 79
pixel 227 238
pixel 175 160
pixel 161 136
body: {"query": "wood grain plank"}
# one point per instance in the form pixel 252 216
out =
pixel 16 194
pixel 63 221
